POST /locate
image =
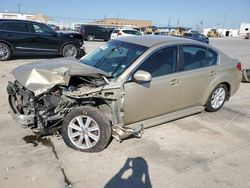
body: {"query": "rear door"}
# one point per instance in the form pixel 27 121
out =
pixel 197 71
pixel 18 34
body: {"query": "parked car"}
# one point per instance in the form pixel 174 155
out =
pixel 196 36
pixel 21 37
pixel 120 88
pixel 124 33
pixel 92 32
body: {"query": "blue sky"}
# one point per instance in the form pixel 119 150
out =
pixel 213 13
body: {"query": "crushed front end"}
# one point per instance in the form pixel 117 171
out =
pixel 42 113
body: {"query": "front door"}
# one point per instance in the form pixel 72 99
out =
pixel 160 96
pixel 44 39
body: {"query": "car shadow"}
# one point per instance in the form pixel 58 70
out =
pixel 134 173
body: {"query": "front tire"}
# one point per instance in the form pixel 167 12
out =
pixel 70 50
pixel 5 52
pixel 217 98
pixel 86 129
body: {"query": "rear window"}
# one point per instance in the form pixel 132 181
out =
pixel 17 26
pixel 116 31
pixel 187 35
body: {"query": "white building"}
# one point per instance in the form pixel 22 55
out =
pixel 25 16
pixel 21 16
pixel 223 32
pixel 244 28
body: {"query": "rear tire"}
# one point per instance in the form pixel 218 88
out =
pixel 86 129
pixel 70 50
pixel 217 98
pixel 91 38
pixel 5 52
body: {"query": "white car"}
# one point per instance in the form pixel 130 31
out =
pixel 124 32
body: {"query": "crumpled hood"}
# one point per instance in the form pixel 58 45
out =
pixel 43 75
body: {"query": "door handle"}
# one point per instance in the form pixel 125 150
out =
pixel 175 82
pixel 212 73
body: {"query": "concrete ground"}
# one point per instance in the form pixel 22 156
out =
pixel 204 150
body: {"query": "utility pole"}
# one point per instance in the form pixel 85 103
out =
pixel 178 22
pixel 224 20
pixel 19 8
pixel 201 25
pixel 117 18
pixel 169 21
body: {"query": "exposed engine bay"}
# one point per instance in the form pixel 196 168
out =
pixel 44 112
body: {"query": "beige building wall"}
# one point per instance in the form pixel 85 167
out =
pixel 123 22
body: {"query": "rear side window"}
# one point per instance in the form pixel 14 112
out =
pixel 161 62
pixel 17 26
pixel 132 32
pixel 135 33
pixel 187 35
pixel 211 57
pixel 195 57
pixel 127 31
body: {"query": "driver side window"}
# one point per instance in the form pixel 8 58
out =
pixel 39 29
pixel 161 62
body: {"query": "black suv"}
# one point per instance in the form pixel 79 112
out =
pixel 92 32
pixel 21 37
pixel 196 36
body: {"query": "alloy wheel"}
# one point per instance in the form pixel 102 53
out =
pixel 4 53
pixel 71 51
pixel 83 132
pixel 218 98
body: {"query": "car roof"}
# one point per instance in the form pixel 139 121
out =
pixel 152 40
pixel 19 20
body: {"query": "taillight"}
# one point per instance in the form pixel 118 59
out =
pixel 118 34
pixel 238 66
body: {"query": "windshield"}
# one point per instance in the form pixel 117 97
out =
pixel 114 57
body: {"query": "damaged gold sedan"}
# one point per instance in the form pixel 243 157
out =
pixel 120 88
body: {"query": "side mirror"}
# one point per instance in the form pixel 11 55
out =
pixel 142 76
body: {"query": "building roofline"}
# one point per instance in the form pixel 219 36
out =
pixel 28 13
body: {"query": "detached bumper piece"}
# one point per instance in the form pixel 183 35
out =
pixel 121 133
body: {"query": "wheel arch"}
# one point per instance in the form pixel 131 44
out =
pixel 210 89
pixel 228 86
pixel 99 103
pixel 9 45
